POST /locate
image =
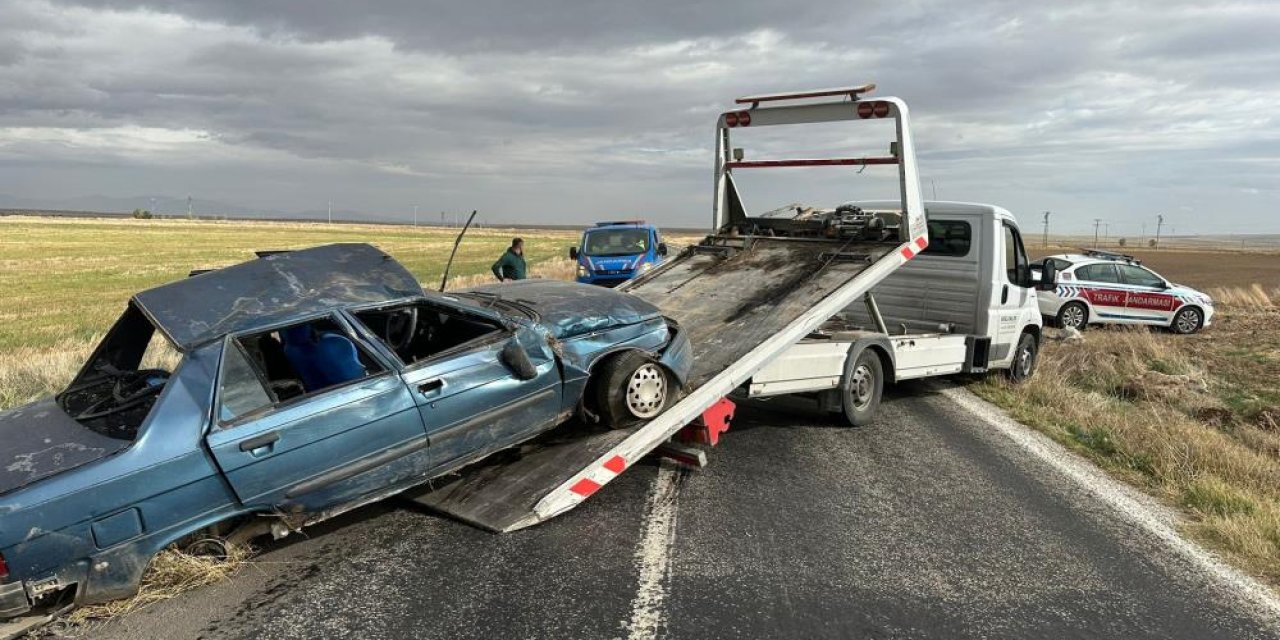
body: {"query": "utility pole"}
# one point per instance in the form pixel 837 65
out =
pixel 1159 224
pixel 330 212
pixel 935 188
pixel 1142 240
pixel 415 215
pixel 1097 223
pixel 189 216
pixel 1045 239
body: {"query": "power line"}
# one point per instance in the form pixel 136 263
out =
pixel 1045 239
pixel 1097 223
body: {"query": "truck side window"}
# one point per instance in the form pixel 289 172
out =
pixel 1015 258
pixel 949 238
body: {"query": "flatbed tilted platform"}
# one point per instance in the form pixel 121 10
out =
pixel 499 494
pixel 744 295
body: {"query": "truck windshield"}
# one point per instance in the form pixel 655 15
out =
pixel 616 242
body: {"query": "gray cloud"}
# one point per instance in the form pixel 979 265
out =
pixel 568 111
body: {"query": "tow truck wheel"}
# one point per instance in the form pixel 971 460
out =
pixel 1073 315
pixel 1024 359
pixel 632 389
pixel 861 387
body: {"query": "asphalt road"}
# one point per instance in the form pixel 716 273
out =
pixel 929 524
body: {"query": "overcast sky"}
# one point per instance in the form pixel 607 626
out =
pixel 565 111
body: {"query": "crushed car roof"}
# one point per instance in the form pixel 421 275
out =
pixel 273 289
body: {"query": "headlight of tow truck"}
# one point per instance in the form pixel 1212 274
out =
pixel 645 267
pixel 583 272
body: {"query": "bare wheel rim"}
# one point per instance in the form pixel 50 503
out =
pixel 1187 320
pixel 1073 316
pixel 646 391
pixel 861 386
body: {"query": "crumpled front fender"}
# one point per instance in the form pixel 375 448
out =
pixel 677 356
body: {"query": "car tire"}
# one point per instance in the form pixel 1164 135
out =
pixel 1073 315
pixel 1188 320
pixel 1024 359
pixel 631 389
pixel 861 387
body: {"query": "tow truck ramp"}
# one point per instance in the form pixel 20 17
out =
pixel 744 295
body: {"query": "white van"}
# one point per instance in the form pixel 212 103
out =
pixel 966 304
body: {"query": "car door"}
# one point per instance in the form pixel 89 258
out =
pixel 1147 300
pixel 473 400
pixel 317 449
pixel 1100 284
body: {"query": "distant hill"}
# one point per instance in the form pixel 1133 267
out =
pixel 177 207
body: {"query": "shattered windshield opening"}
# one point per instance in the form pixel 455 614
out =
pixel 616 242
pixel 119 385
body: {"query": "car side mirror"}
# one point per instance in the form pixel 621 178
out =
pixel 662 248
pixel 573 253
pixel 1048 277
pixel 517 359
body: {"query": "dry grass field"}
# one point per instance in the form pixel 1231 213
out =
pixel 64 280
pixel 1193 420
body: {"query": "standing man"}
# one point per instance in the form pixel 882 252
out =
pixel 511 265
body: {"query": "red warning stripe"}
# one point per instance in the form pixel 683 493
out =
pixel 920 243
pixel 616 464
pixel 585 487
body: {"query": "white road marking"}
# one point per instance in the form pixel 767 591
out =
pixel 653 561
pixel 1140 509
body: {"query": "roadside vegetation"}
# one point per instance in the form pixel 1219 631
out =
pixel 1193 420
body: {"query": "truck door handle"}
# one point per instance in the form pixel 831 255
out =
pixel 1004 294
pixel 431 386
pixel 257 442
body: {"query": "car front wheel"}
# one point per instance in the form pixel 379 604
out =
pixel 1188 320
pixel 1073 315
pixel 1024 359
pixel 631 389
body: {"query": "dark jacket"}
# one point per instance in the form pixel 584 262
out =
pixel 510 266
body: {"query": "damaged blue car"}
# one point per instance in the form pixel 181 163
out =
pixel 297 386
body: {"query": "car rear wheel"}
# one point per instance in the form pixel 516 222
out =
pixel 1073 315
pixel 1188 320
pixel 631 389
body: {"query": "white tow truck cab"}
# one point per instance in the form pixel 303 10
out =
pixel 966 304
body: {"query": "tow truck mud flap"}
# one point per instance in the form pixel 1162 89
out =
pixel 500 496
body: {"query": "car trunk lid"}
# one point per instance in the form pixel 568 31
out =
pixel 40 440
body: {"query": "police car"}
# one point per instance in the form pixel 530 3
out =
pixel 1103 287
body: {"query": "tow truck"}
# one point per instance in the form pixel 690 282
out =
pixel 746 294
pixel 966 304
